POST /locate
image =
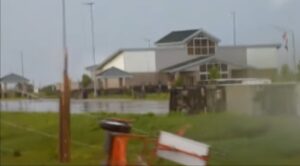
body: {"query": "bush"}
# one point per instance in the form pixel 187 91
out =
pixel 179 82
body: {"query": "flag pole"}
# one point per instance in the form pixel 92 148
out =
pixel 291 32
pixel 294 49
pixel 234 27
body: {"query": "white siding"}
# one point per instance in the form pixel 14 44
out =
pixel 140 61
pixel 117 62
pixel 262 58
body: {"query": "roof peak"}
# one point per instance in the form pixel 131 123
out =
pixel 114 72
pixel 181 36
pixel 13 77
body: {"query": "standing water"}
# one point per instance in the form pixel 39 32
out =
pixel 79 106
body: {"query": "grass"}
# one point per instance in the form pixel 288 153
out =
pixel 234 139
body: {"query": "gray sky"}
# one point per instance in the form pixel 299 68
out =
pixel 34 27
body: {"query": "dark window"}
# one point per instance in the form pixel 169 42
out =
pixel 203 68
pixel 224 67
pixel 224 75
pixel 211 44
pixel 217 66
pixel 201 46
pixel 208 76
pixel 197 42
pixel 204 43
pixel 190 50
pixel 211 50
pixel 209 67
pixel 197 51
pixel 203 77
pixel 204 51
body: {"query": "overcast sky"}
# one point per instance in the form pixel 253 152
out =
pixel 34 27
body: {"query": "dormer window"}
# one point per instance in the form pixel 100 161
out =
pixel 201 46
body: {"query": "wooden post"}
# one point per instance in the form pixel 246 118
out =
pixel 64 112
pixel 64 121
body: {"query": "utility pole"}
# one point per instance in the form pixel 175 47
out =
pixel 64 112
pixel 294 49
pixel 0 51
pixel 148 42
pixel 22 64
pixel 0 72
pixel 91 4
pixel 234 27
pixel 22 72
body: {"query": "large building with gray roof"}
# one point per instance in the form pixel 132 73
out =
pixel 190 54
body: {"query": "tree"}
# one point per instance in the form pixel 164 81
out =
pixel 214 73
pixel 49 90
pixel 85 81
pixel 179 82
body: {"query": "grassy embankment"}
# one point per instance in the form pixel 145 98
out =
pixel 234 139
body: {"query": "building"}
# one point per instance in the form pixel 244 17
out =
pixel 14 83
pixel 189 54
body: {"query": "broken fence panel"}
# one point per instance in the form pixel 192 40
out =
pixel 182 150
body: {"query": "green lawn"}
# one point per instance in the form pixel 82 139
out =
pixel 234 139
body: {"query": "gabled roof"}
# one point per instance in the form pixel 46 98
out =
pixel 114 72
pixel 199 61
pixel 13 78
pixel 177 37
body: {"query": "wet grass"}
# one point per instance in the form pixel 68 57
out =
pixel 234 139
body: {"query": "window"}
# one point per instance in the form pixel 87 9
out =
pixel 209 67
pixel 201 46
pixel 190 51
pixel 217 66
pixel 203 77
pixel 197 51
pixel 223 67
pixel 212 50
pixel 205 68
pixel 190 48
pixel 224 76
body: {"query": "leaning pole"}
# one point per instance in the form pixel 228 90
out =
pixel 64 103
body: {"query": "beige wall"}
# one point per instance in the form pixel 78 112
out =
pixel 117 62
pixel 267 98
pixel 113 83
pixel 137 79
pixel 147 78
pixel 239 98
pixel 139 61
pixel 262 58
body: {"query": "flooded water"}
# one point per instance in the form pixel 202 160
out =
pixel 79 106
